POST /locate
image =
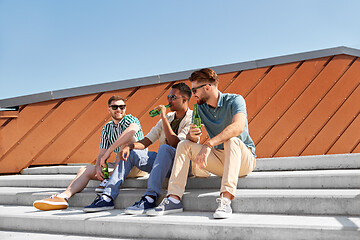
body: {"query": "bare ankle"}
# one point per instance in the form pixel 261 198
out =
pixel 174 196
pixel 227 195
pixel 67 194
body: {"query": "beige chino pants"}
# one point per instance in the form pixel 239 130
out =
pixel 235 161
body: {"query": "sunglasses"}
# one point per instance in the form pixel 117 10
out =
pixel 196 88
pixel 114 107
pixel 173 97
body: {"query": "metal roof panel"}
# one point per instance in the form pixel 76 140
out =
pixel 169 77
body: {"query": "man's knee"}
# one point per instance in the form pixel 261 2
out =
pixel 133 155
pixel 166 151
pixel 235 140
pixel 83 169
pixel 165 154
pixel 183 145
pixel 165 148
pixel 88 170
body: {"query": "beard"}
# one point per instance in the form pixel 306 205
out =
pixel 201 101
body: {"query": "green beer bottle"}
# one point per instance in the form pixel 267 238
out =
pixel 196 117
pixel 105 171
pixel 156 112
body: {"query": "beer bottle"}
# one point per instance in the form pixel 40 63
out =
pixel 105 170
pixel 196 117
pixel 156 112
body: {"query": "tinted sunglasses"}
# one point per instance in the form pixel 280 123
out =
pixel 193 90
pixel 114 107
pixel 173 97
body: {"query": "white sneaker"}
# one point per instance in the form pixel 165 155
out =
pixel 102 186
pixel 224 209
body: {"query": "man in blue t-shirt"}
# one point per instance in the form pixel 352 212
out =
pixel 229 152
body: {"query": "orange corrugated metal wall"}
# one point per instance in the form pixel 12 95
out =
pixel 303 108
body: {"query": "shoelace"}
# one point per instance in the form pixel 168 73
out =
pixel 222 204
pixel 98 198
pixel 55 195
pixel 138 203
pixel 164 202
pixel 52 196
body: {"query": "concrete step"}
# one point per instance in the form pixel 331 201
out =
pixel 316 162
pixel 273 201
pixel 186 225
pixel 320 162
pixel 330 179
pixel 57 169
pixel 15 235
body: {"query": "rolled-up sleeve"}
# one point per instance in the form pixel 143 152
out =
pixel 155 132
pixel 104 139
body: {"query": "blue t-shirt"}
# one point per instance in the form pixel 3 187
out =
pixel 217 119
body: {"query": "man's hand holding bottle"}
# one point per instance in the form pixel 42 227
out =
pixel 195 132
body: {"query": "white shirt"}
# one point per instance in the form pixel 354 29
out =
pixel 157 132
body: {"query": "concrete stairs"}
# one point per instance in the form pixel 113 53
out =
pixel 313 197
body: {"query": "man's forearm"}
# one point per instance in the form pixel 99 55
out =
pixel 125 138
pixel 230 131
pixel 101 153
pixel 98 160
pixel 136 145
pixel 142 144
pixel 171 137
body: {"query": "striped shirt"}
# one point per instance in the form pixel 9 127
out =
pixel 111 132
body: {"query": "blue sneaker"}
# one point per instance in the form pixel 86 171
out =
pixel 140 207
pixel 99 204
pixel 165 207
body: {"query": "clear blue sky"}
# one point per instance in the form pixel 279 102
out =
pixel 49 45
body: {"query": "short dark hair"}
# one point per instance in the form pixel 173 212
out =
pixel 184 89
pixel 115 98
pixel 205 75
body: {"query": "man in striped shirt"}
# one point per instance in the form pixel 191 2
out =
pixel 121 130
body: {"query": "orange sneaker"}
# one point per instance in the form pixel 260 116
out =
pixel 52 203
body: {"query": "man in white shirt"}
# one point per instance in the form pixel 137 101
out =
pixel 170 130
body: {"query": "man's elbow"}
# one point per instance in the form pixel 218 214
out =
pixel 239 129
pixel 134 127
pixel 174 143
pixel 133 132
